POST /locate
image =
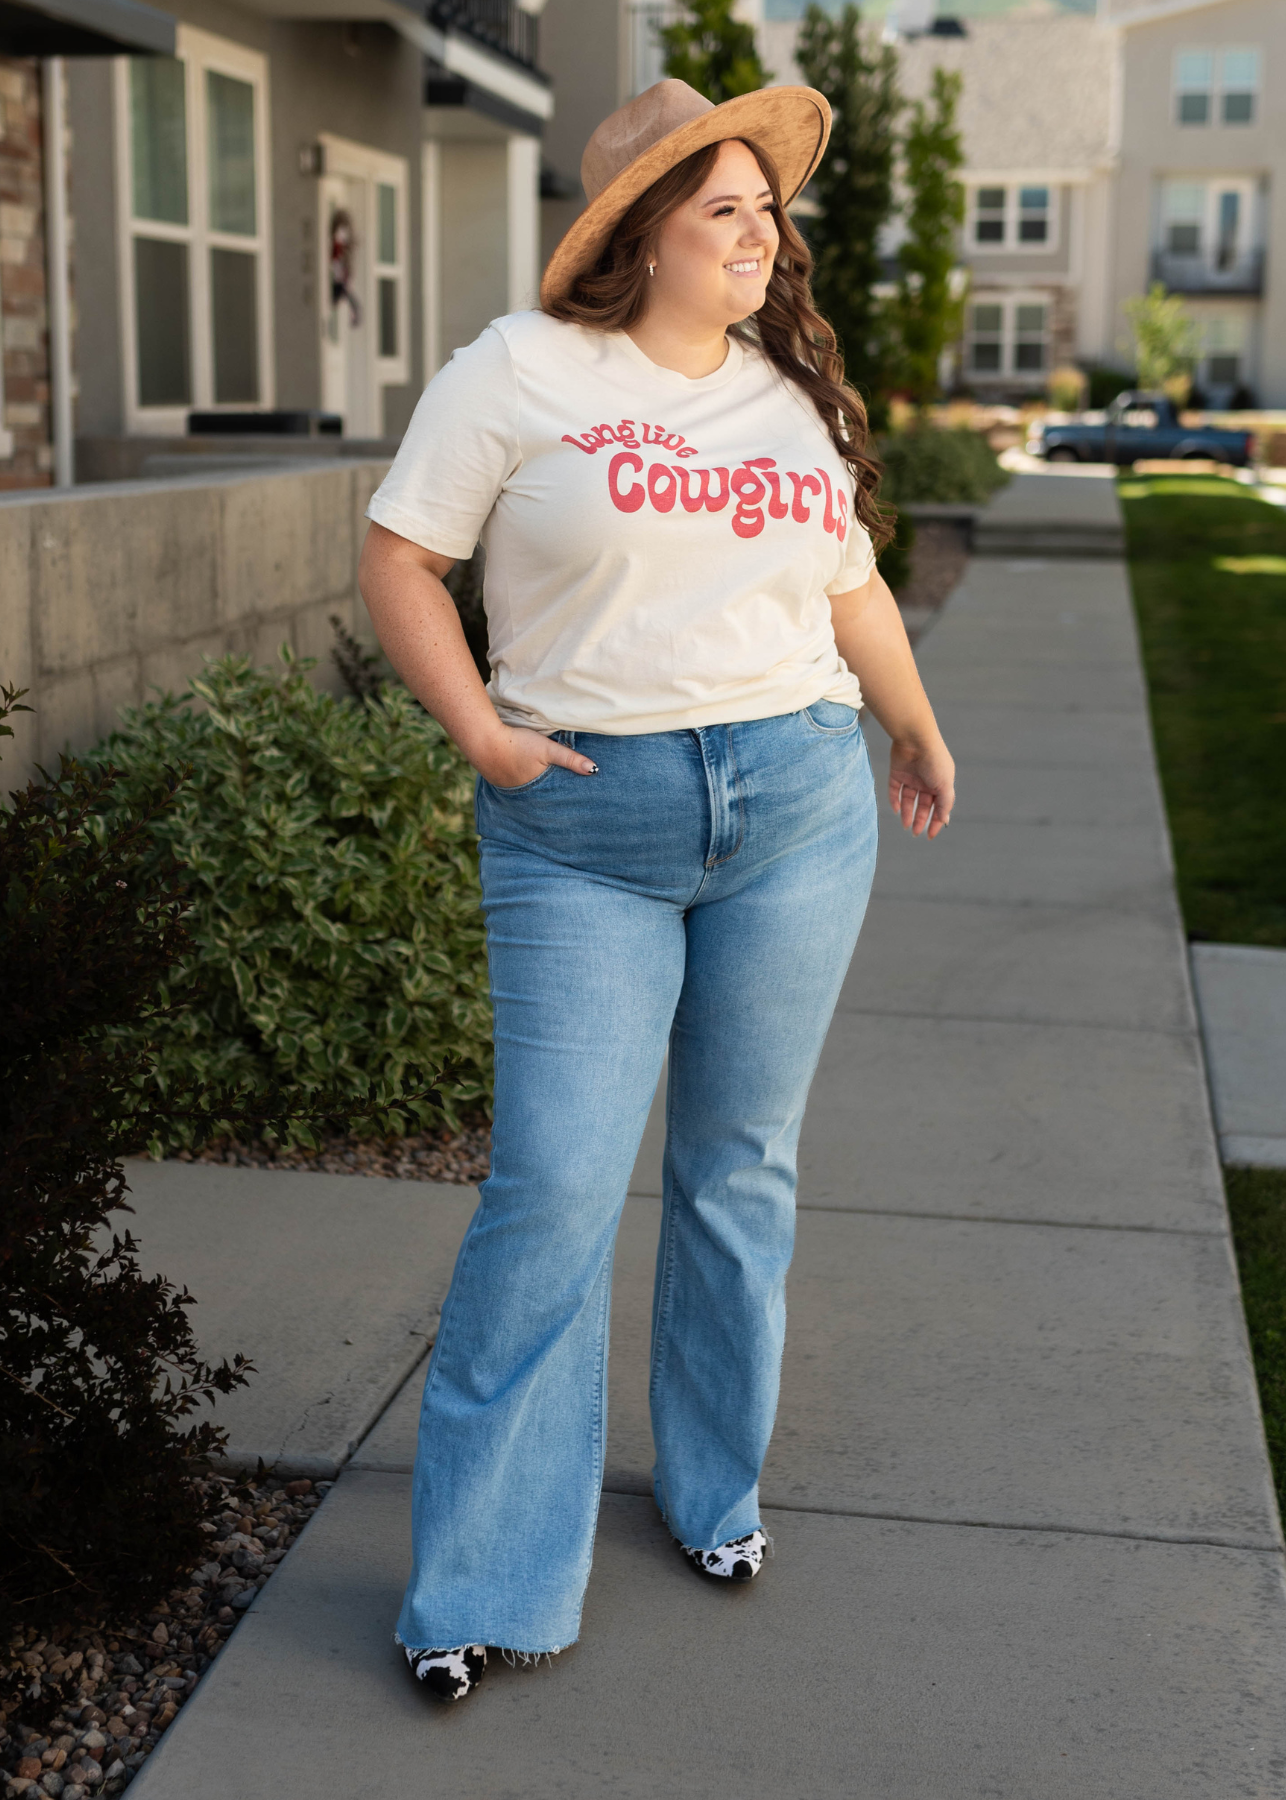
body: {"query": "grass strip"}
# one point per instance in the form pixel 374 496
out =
pixel 1257 1204
pixel 1206 562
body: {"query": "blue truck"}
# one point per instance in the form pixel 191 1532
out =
pixel 1135 428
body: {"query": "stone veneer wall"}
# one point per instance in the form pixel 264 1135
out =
pixel 109 591
pixel 23 318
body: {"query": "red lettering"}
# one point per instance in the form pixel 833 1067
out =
pixel 830 521
pixel 802 484
pixel 777 507
pixel 625 434
pixel 662 486
pixel 841 500
pixel 713 502
pixel 749 487
pixel 589 446
pixel 631 500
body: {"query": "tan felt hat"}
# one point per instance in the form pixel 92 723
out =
pixel 639 142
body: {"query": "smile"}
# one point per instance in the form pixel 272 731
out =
pixel 743 268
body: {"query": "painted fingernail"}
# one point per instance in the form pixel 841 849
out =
pixel 593 768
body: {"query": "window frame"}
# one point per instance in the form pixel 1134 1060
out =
pixel 1223 90
pixel 1212 188
pixel 1179 88
pixel 200 53
pixel 1217 89
pixel 1009 303
pixel 1011 245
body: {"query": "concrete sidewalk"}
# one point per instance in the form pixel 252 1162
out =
pixel 1026 1543
pixel 1241 995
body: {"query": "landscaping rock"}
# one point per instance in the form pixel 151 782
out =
pixel 98 1737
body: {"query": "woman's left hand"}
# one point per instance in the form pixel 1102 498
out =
pixel 922 786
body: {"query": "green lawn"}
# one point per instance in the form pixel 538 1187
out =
pixel 1257 1202
pixel 1208 566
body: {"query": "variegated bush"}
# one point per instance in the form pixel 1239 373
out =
pixel 330 859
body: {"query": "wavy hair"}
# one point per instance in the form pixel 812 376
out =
pixel 787 329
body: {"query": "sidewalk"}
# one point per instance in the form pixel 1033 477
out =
pixel 1026 1544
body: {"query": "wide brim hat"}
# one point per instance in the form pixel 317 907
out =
pixel 637 144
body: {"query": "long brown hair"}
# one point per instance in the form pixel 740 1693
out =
pixel 788 328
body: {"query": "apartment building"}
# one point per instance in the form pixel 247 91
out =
pixel 1103 152
pixel 1199 184
pixel 294 206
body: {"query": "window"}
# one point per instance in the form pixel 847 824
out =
pixel 1238 86
pixel 987 339
pixel 1184 206
pixel 386 271
pixel 1193 80
pixel 1207 230
pixel 1223 347
pixel 1033 215
pixel 1008 336
pixel 1029 339
pixel 195 273
pixel 1022 217
pixel 989 221
pixel 1218 85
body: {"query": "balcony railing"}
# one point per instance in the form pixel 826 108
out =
pixel 498 23
pixel 1242 274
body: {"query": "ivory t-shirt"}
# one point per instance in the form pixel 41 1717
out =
pixel 659 550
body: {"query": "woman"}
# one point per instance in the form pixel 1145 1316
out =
pixel 677 829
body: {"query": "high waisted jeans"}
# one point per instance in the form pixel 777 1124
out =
pixel 705 888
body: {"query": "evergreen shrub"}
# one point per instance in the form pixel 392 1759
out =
pixel 955 466
pixel 100 1374
pixel 98 1366
pixel 330 867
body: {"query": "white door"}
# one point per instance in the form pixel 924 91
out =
pixel 348 361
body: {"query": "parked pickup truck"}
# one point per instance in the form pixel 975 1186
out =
pixel 1135 428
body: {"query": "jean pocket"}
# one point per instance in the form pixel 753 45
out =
pixel 832 717
pixel 524 787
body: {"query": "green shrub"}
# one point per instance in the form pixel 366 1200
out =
pixel 955 466
pixel 330 864
pixel 99 1370
pixel 98 1366
pixel 1106 384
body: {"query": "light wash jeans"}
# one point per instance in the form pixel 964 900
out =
pixel 705 888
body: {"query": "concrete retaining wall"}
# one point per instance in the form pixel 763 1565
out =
pixel 110 591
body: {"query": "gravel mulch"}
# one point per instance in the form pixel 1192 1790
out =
pixel 105 1693
pixel 458 1156
pixel 938 558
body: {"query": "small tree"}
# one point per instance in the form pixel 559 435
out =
pixel 927 310
pixel 1165 336
pixel 712 51
pixel 853 188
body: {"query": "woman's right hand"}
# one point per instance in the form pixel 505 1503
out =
pixel 515 756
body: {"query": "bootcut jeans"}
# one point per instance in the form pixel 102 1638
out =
pixel 705 888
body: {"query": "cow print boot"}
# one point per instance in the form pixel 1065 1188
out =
pixel 449 1674
pixel 740 1559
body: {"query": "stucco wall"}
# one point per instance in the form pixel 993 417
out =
pixel 109 591
pixel 580 46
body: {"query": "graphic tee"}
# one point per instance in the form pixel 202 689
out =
pixel 659 550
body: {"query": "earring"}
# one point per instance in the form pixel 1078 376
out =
pixel 651 268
